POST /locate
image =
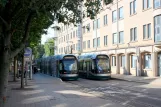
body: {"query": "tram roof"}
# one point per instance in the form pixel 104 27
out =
pixel 89 55
pixel 58 57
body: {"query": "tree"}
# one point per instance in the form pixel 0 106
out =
pixel 38 51
pixel 17 18
pixel 49 47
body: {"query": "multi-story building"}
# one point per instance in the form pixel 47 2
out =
pixel 129 31
pixel 69 39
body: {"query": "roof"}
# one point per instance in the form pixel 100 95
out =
pixel 57 57
pixel 89 55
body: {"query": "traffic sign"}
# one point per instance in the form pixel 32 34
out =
pixel 28 52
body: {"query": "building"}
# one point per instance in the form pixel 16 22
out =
pixel 129 31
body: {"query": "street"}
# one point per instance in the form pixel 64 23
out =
pixel 129 94
pixel 47 91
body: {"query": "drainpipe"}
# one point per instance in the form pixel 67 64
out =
pixel 117 56
pixel 117 24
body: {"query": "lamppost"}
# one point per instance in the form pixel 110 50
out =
pixel 70 46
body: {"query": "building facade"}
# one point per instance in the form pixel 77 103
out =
pixel 129 31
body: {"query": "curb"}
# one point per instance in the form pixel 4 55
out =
pixel 52 76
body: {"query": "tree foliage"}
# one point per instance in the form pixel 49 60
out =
pixel 49 47
pixel 38 51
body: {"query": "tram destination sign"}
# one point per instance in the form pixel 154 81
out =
pixel 69 57
pixel 101 56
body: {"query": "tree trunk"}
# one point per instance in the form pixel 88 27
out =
pixel 4 71
pixel 22 72
pixel 15 68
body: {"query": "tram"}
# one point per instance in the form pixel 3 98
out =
pixel 61 66
pixel 94 66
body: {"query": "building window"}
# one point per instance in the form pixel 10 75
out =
pixel 133 7
pixel 73 34
pixel 98 41
pixel 157 26
pixel 88 27
pixel 64 50
pixel 146 4
pixel 105 40
pixel 84 29
pixel 94 42
pixel 147 31
pixel 133 61
pixel 121 15
pixel 84 45
pixel 88 43
pixel 68 36
pixel 113 60
pixel 114 16
pixel 98 23
pixel 94 24
pixel 61 50
pixel 121 37
pixel 114 38
pixel 157 4
pixel 147 61
pixel 78 45
pixel 64 38
pixel 144 31
pixel 73 46
pixel 123 61
pixel 133 34
pixel 76 34
pixel 105 19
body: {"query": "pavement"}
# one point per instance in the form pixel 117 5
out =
pixel 47 91
pixel 156 81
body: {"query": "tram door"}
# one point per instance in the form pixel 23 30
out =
pixel 159 64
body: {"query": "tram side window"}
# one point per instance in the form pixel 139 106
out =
pixel 81 65
pixel 60 66
pixel 92 65
pixel 85 66
pixel 88 65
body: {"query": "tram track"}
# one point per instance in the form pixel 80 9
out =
pixel 125 99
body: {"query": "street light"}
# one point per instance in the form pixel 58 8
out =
pixel 70 46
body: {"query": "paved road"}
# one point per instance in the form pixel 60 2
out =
pixel 47 91
pixel 127 94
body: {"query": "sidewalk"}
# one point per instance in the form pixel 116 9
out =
pixel 130 78
pixel 47 91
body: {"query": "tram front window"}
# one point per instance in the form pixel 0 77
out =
pixel 102 65
pixel 70 65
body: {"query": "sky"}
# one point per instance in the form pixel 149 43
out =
pixel 49 35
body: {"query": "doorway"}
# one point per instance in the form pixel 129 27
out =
pixel 159 64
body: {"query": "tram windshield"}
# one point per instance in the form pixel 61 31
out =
pixel 70 64
pixel 102 65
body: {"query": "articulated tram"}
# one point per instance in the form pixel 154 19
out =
pixel 62 66
pixel 94 66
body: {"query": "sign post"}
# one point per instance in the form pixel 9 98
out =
pixel 28 55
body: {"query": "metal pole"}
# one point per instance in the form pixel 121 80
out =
pixel 31 68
